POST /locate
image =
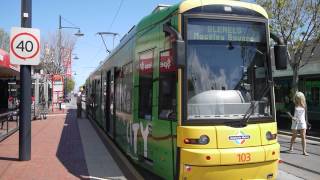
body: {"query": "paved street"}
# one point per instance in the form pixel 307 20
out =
pixel 304 167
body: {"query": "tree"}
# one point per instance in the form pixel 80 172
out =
pixel 50 52
pixel 4 40
pixel 70 85
pixel 298 24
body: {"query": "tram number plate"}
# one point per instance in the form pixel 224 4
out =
pixel 244 157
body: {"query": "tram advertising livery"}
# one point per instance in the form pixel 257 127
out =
pixel 188 92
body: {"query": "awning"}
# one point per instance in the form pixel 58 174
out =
pixel 309 69
pixel 7 70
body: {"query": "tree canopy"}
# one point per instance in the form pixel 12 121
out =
pixel 4 40
pixel 50 52
pixel 70 85
pixel 297 22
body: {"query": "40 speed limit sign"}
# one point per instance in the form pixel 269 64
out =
pixel 25 46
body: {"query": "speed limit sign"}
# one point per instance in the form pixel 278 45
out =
pixel 25 46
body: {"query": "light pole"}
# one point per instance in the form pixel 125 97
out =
pixel 104 42
pixel 79 34
pixel 25 100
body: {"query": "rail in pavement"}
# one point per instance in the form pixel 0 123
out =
pixel 288 133
pixel 306 167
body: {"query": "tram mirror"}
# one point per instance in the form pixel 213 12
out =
pixel 178 45
pixel 179 52
pixel 280 56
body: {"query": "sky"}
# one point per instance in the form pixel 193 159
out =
pixel 91 16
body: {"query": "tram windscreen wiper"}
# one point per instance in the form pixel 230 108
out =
pixel 253 105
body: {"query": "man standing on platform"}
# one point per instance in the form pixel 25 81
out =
pixel 79 99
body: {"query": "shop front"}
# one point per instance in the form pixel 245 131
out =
pixel 9 96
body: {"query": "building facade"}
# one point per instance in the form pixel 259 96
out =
pixel 309 84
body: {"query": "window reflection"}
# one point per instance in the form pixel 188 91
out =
pixel 225 77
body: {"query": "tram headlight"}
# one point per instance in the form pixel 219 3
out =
pixel 270 136
pixel 204 139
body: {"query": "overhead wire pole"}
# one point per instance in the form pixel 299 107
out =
pixel 25 92
pixel 104 42
pixel 111 33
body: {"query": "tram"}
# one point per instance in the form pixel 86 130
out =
pixel 188 92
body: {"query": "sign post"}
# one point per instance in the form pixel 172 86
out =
pixel 24 50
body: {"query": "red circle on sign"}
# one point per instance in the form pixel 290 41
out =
pixel 28 57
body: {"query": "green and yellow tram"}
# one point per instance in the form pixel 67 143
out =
pixel 188 92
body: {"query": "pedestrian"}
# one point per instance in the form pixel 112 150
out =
pixel 299 121
pixel 79 99
pixel 43 111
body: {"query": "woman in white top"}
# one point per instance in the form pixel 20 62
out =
pixel 299 122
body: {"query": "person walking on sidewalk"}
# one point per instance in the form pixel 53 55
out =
pixel 79 99
pixel 299 121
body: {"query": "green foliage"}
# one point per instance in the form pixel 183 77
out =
pixel 70 85
pixel 4 40
pixel 297 22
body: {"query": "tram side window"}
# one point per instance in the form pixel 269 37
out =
pixel 118 90
pixel 145 84
pixel 126 93
pixel 167 86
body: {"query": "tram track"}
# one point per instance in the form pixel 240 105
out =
pixel 296 159
pixel 299 150
pixel 300 167
pixel 310 146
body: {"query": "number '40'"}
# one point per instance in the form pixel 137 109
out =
pixel 28 46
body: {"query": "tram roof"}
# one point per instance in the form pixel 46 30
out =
pixel 190 4
pixel 161 13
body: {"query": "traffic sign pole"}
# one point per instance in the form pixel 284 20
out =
pixel 25 92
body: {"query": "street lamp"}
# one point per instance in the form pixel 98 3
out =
pixel 79 34
pixel 104 42
pixel 76 57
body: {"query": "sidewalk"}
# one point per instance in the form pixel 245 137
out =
pixel 63 147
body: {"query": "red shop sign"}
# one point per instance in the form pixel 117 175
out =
pixel 166 61
pixel 145 66
pixel 146 62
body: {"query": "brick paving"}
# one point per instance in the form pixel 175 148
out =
pixel 57 151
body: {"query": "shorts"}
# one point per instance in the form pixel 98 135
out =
pixel 298 126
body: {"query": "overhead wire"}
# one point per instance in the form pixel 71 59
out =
pixel 111 24
pixel 115 16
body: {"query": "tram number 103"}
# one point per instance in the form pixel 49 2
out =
pixel 244 157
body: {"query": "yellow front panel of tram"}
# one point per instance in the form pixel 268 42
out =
pixel 231 153
pixel 230 137
pixel 263 170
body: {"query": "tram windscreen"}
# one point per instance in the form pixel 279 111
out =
pixel 227 69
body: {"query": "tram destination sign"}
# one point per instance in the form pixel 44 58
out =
pixel 25 46
pixel 226 31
